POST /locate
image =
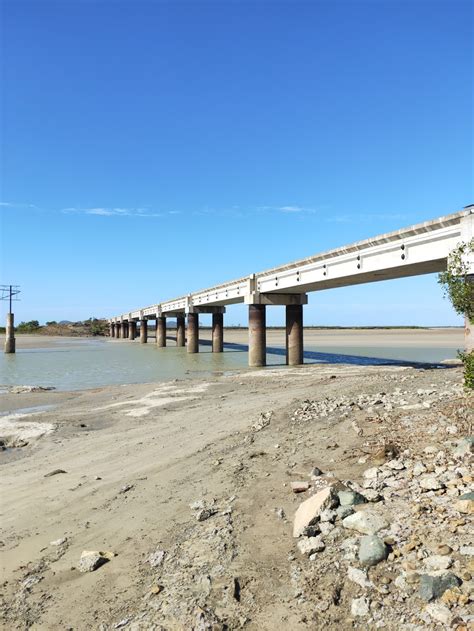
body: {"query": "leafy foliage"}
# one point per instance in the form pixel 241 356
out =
pixel 28 327
pixel 459 288
pixel 456 282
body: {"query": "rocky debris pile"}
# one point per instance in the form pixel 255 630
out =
pixel 400 540
pixel 27 389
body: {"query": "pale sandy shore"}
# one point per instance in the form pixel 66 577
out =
pixel 133 458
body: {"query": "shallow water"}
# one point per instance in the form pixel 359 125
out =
pixel 89 363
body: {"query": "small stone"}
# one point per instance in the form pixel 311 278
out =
pixel 58 542
pixel 280 513
pixel 310 545
pixel 308 512
pixel 367 522
pixel 126 488
pixel 328 515
pixel 344 511
pixel 372 473
pixel 205 513
pixel 430 483
pixel 315 472
pixel 444 550
pixel 434 585
pixel 91 560
pixel 465 503
pixel 467 550
pixel 299 486
pixel 372 550
pixel 418 468
pixel 438 612
pixel 348 497
pixel 465 447
pixel 359 577
pixel 155 559
pixel 55 472
pixel 360 606
pixel 438 562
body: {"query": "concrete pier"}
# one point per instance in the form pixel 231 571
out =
pixel 257 335
pixel 143 331
pixel 132 330
pixel 10 334
pixel 112 329
pixel 118 329
pixel 193 332
pixel 294 335
pixel 161 331
pixel 217 332
pixel 180 331
pixel 125 330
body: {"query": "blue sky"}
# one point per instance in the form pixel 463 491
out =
pixel 150 149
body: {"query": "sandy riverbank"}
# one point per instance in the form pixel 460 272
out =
pixel 134 458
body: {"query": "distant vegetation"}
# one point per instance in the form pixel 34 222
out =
pixel 90 327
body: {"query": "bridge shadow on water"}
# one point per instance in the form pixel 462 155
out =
pixel 315 357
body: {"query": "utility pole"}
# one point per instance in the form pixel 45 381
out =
pixel 7 293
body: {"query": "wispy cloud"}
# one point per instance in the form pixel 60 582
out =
pixel 358 217
pixel 289 209
pixel 117 212
pixel 16 205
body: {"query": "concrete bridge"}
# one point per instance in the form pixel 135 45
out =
pixel 419 249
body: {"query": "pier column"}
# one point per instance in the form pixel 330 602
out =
pixel 193 332
pixel 217 332
pixel 125 330
pixel 161 331
pixel 143 331
pixel 10 334
pixel 112 329
pixel 469 325
pixel 118 329
pixel 180 331
pixel 132 330
pixel 257 335
pixel 294 335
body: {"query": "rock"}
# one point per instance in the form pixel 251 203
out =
pixel 55 472
pixel 155 559
pixel 359 577
pixel 344 511
pixel 418 468
pixel 299 486
pixel 58 542
pixel 372 550
pixel 315 473
pixel 371 495
pixel 464 447
pixel 438 612
pixel 367 522
pixel 91 560
pixel 430 483
pixel 325 527
pixel 360 606
pixel 467 550
pixel 280 513
pixel 328 515
pixel 372 473
pixel 205 513
pixel 465 503
pixel 310 545
pixel 348 497
pixel 434 585
pixel 308 512
pixel 126 488
pixel 438 562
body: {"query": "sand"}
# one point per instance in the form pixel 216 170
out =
pixel 173 444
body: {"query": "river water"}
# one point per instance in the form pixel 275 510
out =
pixel 75 364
